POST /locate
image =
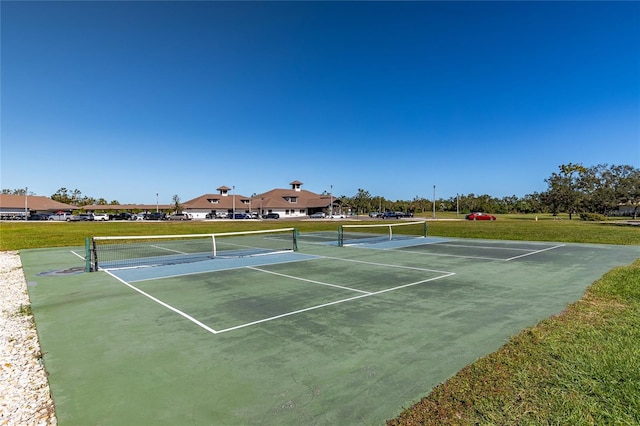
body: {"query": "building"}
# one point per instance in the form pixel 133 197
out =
pixel 288 203
pixel 294 201
pixel 130 208
pixel 222 204
pixel 17 206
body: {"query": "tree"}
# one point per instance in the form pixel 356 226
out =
pixel 19 191
pixel 564 188
pixel 176 203
pixel 361 201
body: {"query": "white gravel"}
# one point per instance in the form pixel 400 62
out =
pixel 25 398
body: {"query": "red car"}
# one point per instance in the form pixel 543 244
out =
pixel 479 216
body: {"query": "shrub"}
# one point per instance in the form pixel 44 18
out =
pixel 593 217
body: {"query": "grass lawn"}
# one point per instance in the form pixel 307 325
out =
pixel 579 367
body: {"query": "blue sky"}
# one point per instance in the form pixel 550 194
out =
pixel 123 100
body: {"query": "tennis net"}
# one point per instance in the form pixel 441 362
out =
pixel 375 233
pixel 134 251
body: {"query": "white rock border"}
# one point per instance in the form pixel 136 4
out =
pixel 25 397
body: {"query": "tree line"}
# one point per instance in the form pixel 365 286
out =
pixel 573 189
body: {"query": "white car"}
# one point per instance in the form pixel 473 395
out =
pixel 100 216
pixel 318 215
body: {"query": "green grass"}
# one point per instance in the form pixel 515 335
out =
pixel 22 235
pixel 579 367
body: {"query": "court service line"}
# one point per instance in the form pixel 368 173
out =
pixel 385 264
pixel 166 305
pixel 483 247
pixel 168 249
pixel 299 311
pixel 445 255
pixel 536 252
pixel 308 280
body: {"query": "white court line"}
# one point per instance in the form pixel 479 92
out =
pixel 168 249
pixel 229 268
pixel 365 294
pixel 385 264
pixel 329 304
pixel 536 252
pixel 483 247
pixel 177 311
pixel 308 280
pixel 442 254
pixel 80 256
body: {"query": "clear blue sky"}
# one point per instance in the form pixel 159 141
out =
pixel 123 100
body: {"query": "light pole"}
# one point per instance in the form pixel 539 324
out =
pixel 157 203
pixel 331 202
pixel 434 201
pixel 233 200
pixel 26 210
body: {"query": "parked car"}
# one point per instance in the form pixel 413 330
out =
pixel 391 215
pixel 479 216
pixel 100 216
pixel 240 216
pixel 338 216
pixel 318 215
pixel 375 214
pixel 179 216
pixel 120 216
pixel 271 216
pixel 39 216
pixel 61 216
pixel 85 217
pixel 156 216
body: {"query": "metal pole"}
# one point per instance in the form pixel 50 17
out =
pixel 434 201
pixel 157 202
pixel 26 192
pixel 233 200
pixel 331 205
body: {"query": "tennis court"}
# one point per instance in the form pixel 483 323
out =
pixel 318 335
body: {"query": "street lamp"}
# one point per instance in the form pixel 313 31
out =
pixel 26 192
pixel 233 200
pixel 157 202
pixel 434 201
pixel 331 204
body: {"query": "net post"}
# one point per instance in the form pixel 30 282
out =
pixel 87 255
pixel 214 251
pixel 390 232
pixel 295 239
pixel 425 228
pixel 340 236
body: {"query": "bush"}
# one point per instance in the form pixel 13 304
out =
pixel 593 217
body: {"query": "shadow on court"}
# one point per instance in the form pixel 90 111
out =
pixel 327 335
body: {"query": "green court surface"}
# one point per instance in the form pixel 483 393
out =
pixel 324 336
